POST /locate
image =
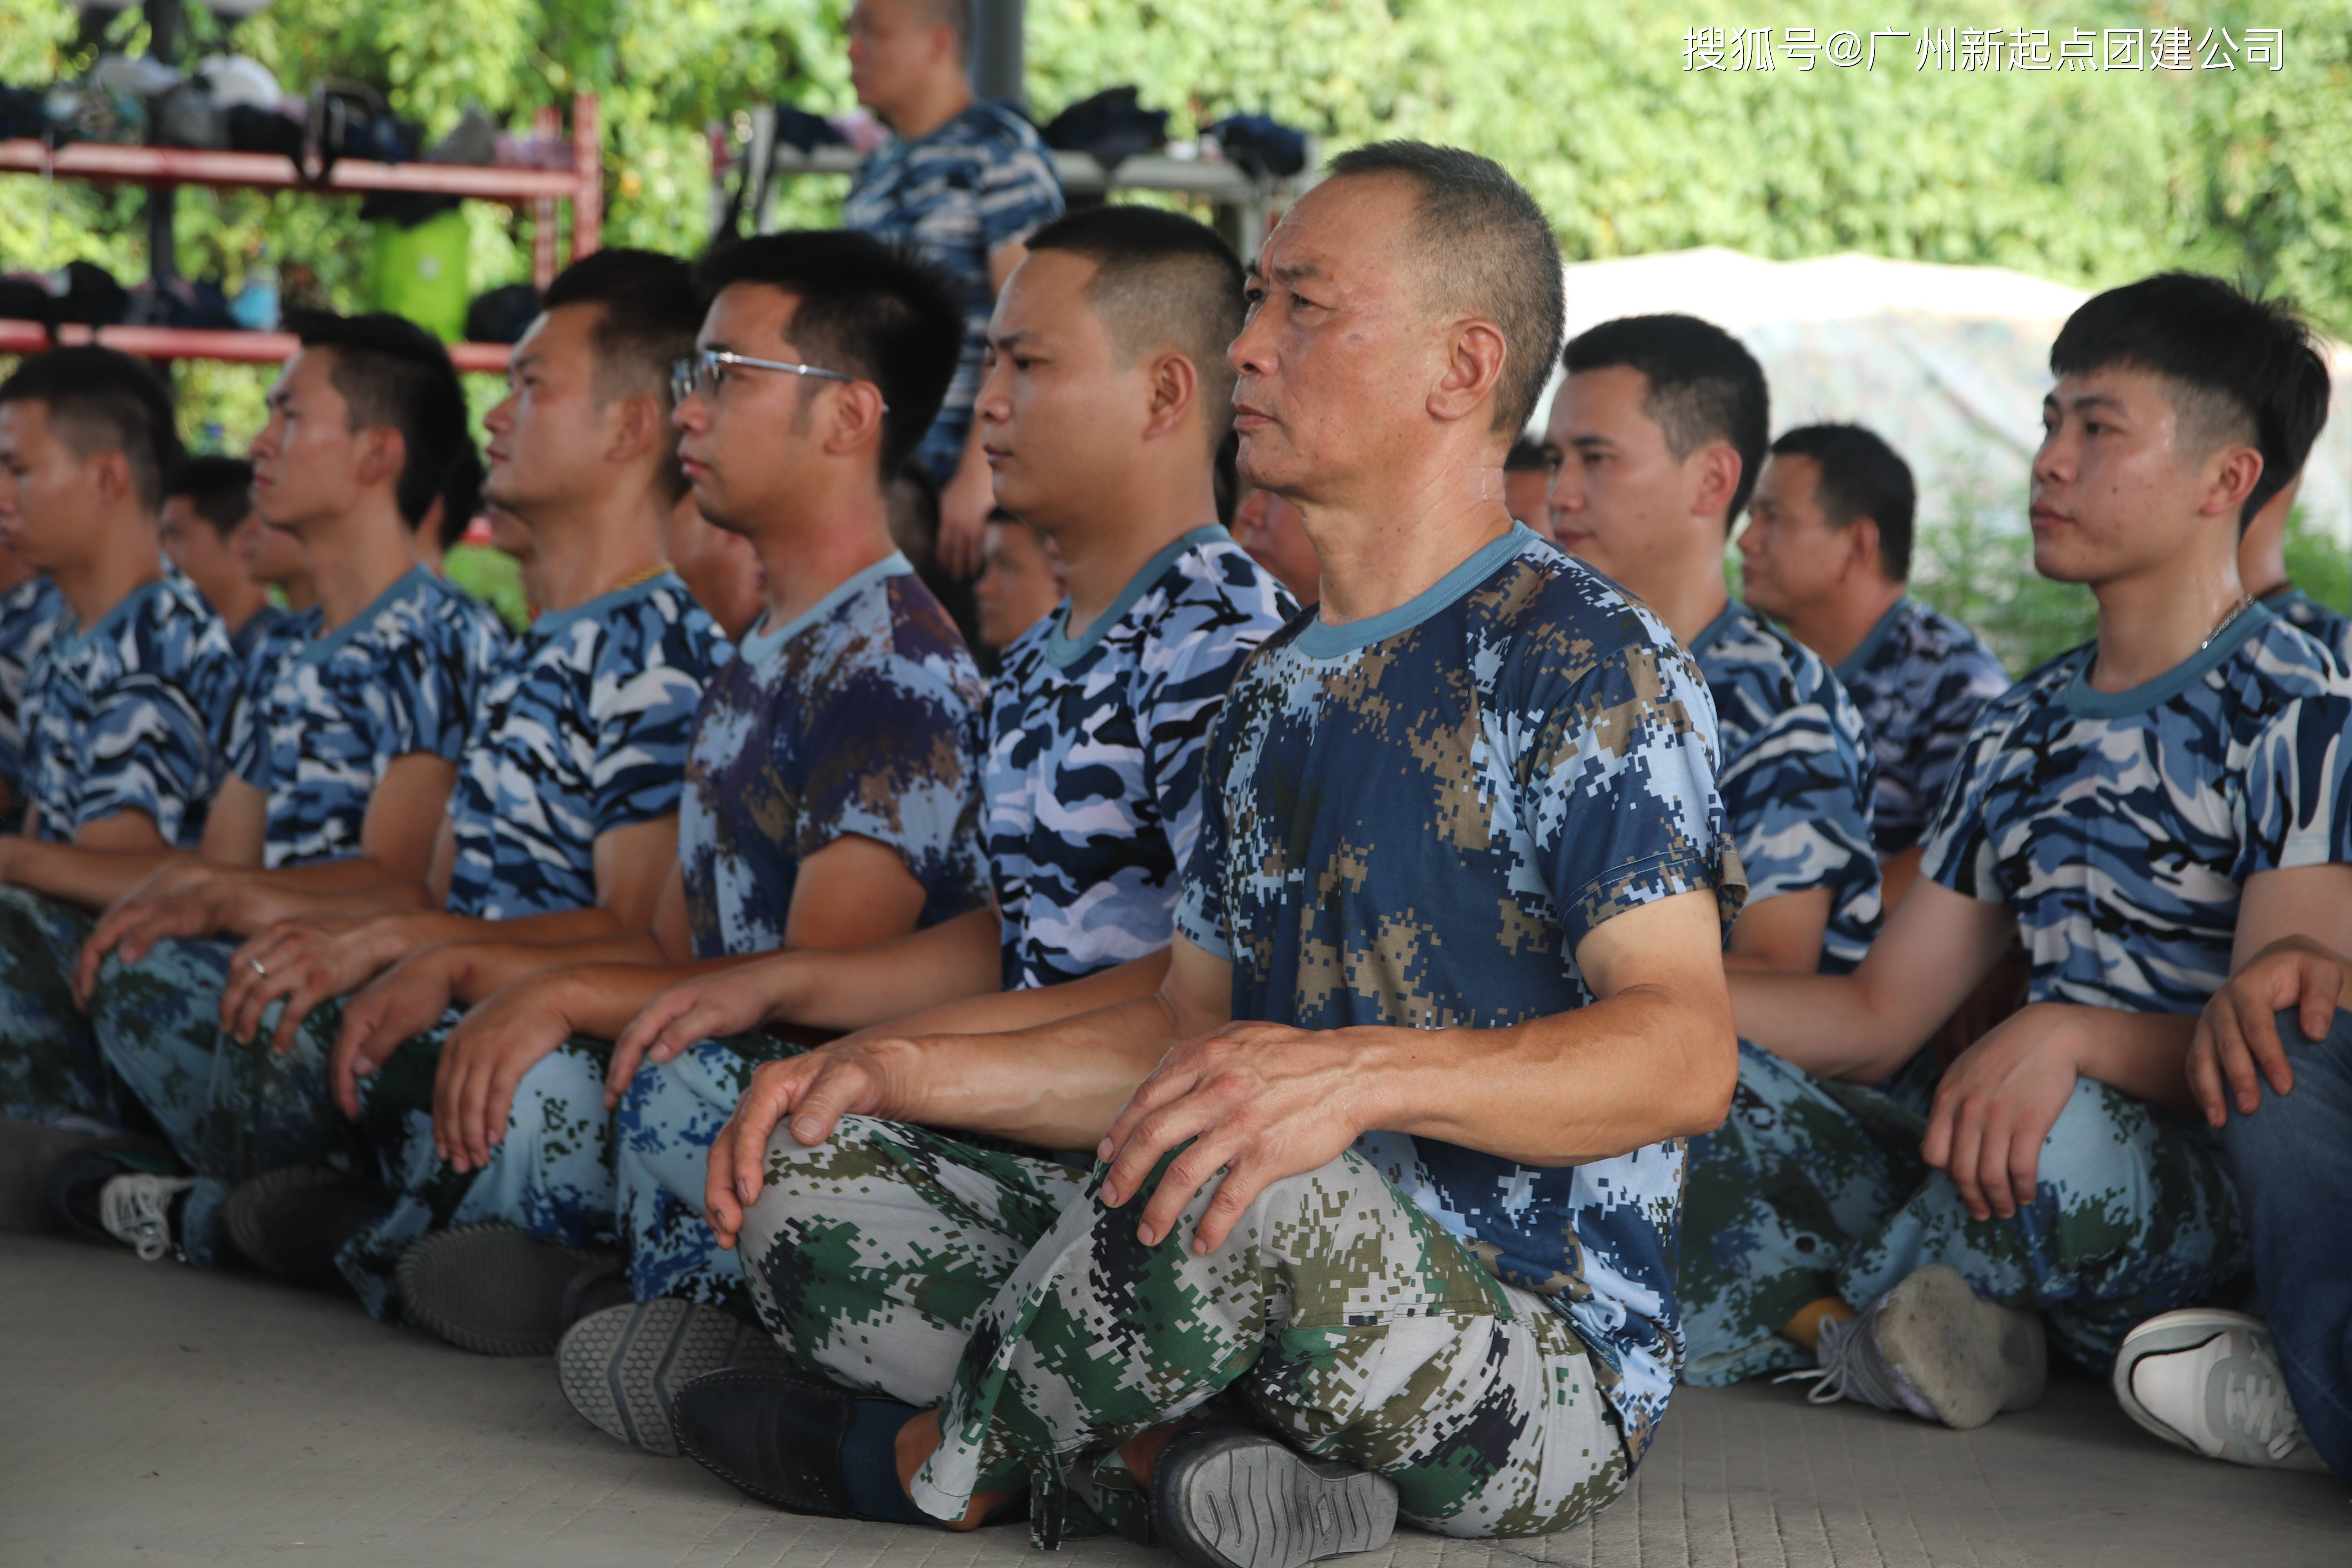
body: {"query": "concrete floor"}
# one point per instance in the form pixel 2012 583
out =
pixel 152 1414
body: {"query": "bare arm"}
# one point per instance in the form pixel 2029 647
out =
pixel 107 859
pixel 1865 1026
pixel 1781 934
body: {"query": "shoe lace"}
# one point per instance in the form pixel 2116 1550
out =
pixel 136 1209
pixel 2258 1406
pixel 1848 1370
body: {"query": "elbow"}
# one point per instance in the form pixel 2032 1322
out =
pixel 1711 1072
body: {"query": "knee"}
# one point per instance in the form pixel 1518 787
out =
pixel 565 1085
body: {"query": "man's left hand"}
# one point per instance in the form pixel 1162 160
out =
pixel 482 1061
pixel 1997 1103
pixel 1261 1101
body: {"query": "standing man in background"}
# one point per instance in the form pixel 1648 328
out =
pixel 966 184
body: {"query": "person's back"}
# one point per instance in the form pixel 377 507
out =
pixel 1827 552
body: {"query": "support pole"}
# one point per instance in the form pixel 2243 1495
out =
pixel 999 66
pixel 167 30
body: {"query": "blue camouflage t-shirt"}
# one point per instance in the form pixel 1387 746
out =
pixel 2307 614
pixel 256 631
pixel 581 730
pixel 858 717
pixel 1796 777
pixel 1092 783
pixel 981 182
pixel 324 716
pixel 2120 827
pixel 128 716
pixel 30 613
pixel 1919 680
pixel 1414 820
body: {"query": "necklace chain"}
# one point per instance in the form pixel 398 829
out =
pixel 2245 602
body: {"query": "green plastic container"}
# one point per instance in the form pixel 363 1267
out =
pixel 421 273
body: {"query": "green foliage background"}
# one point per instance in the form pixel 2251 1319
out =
pixel 2090 179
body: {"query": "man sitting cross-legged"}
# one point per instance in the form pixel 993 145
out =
pixel 1107 393
pixel 1826 552
pixel 343 746
pixel 562 819
pixel 122 711
pixel 829 793
pixel 2144 810
pixel 1445 995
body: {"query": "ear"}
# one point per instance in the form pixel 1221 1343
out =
pixel 109 471
pixel 855 422
pixel 1174 387
pixel 641 426
pixel 1863 549
pixel 382 453
pixel 1714 473
pixel 1472 370
pixel 2229 477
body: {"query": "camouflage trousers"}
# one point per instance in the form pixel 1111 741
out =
pixel 662 1135
pixel 550 1176
pixel 50 1065
pixel 1337 1316
pixel 231 1108
pixel 1814 1188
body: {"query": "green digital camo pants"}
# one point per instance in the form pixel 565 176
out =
pixel 50 1065
pixel 1814 1188
pixel 1337 1315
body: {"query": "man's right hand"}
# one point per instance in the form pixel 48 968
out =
pixel 306 963
pixel 848 1078
pixel 2237 1045
pixel 703 1009
pixel 134 928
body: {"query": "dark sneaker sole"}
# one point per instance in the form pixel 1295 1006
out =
pixel 489 1288
pixel 1233 1499
pixel 1969 1359
pixel 622 1368
pixel 244 1213
pixel 29 1151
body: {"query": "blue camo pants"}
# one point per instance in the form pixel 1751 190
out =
pixel 50 1067
pixel 668 1119
pixel 231 1108
pixel 1814 1188
pixel 551 1176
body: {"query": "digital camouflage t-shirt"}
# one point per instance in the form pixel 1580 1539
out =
pixel 580 731
pixel 1414 820
pixel 2120 827
pixel 1920 679
pixel 1796 777
pixel 860 717
pixel 323 717
pixel 129 716
pixel 1092 783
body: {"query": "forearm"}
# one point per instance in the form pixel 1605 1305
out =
pixel 1645 1065
pixel 955 962
pixel 256 901
pixel 2144 1054
pixel 480 969
pixel 1000 1012
pixel 600 999
pixel 1056 1086
pixel 76 874
pixel 1832 1026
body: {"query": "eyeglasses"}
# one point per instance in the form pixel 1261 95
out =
pixel 703 373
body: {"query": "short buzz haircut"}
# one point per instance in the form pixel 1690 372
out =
pixel 1161 280
pixel 2241 368
pixel 392 372
pixel 649 310
pixel 953 14
pixel 1484 247
pixel 867 308
pixel 100 400
pixel 1862 476
pixel 219 489
pixel 1704 385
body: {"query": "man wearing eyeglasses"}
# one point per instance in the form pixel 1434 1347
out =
pixel 831 791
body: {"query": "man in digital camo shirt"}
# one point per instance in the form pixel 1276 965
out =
pixel 2147 812
pixel 341 752
pixel 122 714
pixel 1826 552
pixel 1453 1167
pixel 831 780
pixel 1107 393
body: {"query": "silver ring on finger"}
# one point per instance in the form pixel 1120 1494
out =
pixel 257 969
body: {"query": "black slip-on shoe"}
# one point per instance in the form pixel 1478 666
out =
pixel 249 1212
pixel 292 1221
pixel 29 1151
pixel 491 1289
pixel 800 1444
pixel 1227 1497
pixel 622 1368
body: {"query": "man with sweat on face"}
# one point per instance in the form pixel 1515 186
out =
pixel 1444 996
pixel 2147 811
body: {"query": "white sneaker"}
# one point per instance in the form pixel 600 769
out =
pixel 136 1209
pixel 2209 1382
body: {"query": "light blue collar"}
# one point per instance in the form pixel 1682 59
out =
pixel 2085 702
pixel 760 643
pixel 319 649
pixel 1320 640
pixel 1062 650
pixel 1857 661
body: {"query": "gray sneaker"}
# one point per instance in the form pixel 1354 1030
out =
pixel 2209 1382
pixel 1227 1497
pixel 492 1289
pixel 1931 1348
pixel 622 1368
